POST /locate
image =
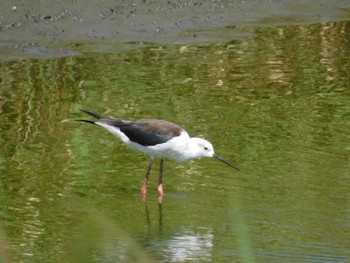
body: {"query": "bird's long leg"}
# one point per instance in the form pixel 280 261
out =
pixel 160 181
pixel 144 185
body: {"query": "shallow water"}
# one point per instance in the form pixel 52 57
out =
pixel 276 104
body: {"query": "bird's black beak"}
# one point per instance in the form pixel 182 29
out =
pixel 225 162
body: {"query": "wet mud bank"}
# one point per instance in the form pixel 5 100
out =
pixel 65 28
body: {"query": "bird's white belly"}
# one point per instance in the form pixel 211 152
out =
pixel 173 149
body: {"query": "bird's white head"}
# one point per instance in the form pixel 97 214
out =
pixel 202 148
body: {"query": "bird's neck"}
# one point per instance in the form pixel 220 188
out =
pixel 191 151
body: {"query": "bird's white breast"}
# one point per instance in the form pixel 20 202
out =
pixel 175 149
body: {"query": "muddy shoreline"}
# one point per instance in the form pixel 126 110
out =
pixel 44 30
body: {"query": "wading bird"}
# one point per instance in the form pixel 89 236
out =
pixel 158 139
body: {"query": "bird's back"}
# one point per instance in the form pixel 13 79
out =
pixel 146 132
pixel 143 132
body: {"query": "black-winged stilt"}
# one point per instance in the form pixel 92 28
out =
pixel 158 139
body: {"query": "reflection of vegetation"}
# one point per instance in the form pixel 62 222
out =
pixel 280 99
pixel 96 238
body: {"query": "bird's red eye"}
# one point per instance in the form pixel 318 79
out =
pixel 205 148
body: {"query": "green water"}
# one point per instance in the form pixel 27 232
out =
pixel 276 104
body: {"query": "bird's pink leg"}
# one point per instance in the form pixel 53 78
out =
pixel 144 185
pixel 160 181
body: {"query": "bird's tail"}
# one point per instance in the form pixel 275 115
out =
pixel 95 115
pixel 88 121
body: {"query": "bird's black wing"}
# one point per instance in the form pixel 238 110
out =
pixel 149 132
pixel 144 132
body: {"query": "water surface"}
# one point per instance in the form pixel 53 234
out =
pixel 276 104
